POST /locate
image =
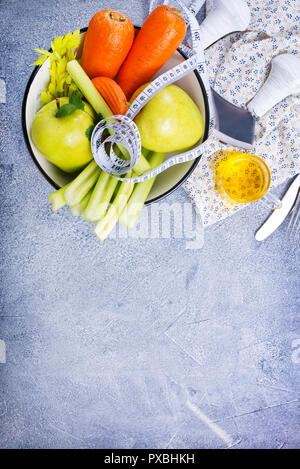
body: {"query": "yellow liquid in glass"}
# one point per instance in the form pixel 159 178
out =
pixel 242 177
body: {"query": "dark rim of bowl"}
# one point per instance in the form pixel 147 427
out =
pixel 148 202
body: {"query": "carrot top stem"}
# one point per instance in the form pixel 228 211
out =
pixel 116 16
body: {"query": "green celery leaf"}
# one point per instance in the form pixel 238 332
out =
pixel 98 118
pixel 89 132
pixel 63 50
pixel 76 99
pixel 66 110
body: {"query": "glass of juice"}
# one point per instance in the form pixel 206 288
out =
pixel 244 178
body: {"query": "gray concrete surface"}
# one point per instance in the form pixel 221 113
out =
pixel 136 343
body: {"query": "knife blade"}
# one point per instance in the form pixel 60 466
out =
pixel 236 126
pixel 279 214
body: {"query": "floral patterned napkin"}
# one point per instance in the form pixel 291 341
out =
pixel 239 64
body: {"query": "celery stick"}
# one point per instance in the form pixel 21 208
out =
pixel 119 202
pixel 146 152
pixel 80 186
pixel 142 166
pixel 79 208
pixel 57 198
pixel 100 197
pixel 89 91
pixel 139 195
pixel 95 99
pixel 105 226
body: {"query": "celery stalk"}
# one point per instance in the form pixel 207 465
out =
pixel 80 186
pixel 95 99
pixel 132 211
pixel 100 197
pixel 105 226
pixel 146 152
pixel 142 166
pixel 88 89
pixel 57 198
pixel 79 208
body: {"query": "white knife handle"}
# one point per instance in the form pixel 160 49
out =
pixel 226 16
pixel 283 80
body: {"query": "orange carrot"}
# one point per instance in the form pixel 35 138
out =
pixel 107 42
pixel 159 37
pixel 112 93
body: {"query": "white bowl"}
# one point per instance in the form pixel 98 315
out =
pixel 167 181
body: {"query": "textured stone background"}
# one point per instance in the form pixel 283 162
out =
pixel 134 343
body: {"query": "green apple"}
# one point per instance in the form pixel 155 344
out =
pixel 62 140
pixel 171 121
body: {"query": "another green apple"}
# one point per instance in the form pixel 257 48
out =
pixel 171 121
pixel 62 140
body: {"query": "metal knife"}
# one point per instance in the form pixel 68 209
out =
pixel 279 214
pixel 235 125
